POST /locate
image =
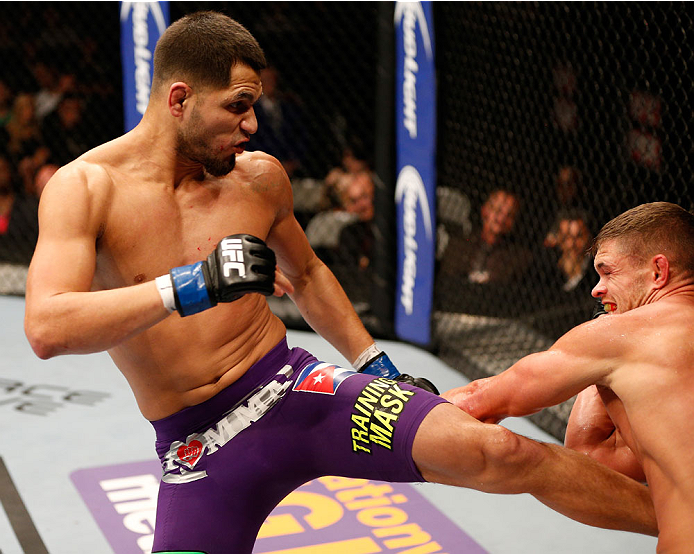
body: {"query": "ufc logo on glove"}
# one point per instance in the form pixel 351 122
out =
pixel 233 249
pixel 190 289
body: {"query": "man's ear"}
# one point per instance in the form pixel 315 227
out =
pixel 660 267
pixel 178 93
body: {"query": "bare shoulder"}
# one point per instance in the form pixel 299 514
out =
pixel 89 171
pixel 79 189
pixel 263 173
pixel 604 341
pixel 641 334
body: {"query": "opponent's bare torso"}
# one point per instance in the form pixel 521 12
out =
pixel 653 410
pixel 147 228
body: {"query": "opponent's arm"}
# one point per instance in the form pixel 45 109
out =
pixel 63 316
pixel 590 430
pixel 580 358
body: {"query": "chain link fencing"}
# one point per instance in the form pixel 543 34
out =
pixel 553 118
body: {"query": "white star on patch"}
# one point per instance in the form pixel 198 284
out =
pixel 319 378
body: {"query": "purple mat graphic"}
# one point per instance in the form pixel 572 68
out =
pixel 330 515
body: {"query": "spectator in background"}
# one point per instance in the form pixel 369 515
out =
pixel 352 259
pixel 41 178
pixel 567 276
pixel 353 160
pixel 573 240
pixel 280 125
pixel 568 195
pixel 64 131
pixel 28 166
pixel 18 219
pixel 344 236
pixel 5 114
pixel 490 261
pixel 483 266
pixel 353 201
pixel 52 86
pixel 23 130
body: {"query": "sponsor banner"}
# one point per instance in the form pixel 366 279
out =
pixel 142 23
pixel 415 101
pixel 329 515
pixel 123 501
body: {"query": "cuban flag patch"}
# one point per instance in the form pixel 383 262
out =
pixel 321 378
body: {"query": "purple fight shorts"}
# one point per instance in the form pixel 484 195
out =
pixel 289 419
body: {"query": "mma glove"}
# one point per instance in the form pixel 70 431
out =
pixel 240 264
pixel 381 366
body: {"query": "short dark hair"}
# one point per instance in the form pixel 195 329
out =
pixel 652 228
pixel 201 48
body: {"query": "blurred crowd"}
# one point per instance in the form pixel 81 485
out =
pixel 50 95
pixel 51 111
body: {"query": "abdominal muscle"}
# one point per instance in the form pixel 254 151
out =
pixel 181 362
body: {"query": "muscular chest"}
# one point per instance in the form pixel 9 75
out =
pixel 149 231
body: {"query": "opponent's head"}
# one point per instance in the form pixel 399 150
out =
pixel 640 252
pixel 207 67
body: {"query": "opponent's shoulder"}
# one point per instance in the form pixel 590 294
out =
pixel 605 338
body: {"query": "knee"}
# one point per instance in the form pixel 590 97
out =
pixel 505 458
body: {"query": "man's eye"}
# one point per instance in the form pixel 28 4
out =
pixel 238 107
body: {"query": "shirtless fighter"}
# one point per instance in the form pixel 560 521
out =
pixel 636 365
pixel 159 246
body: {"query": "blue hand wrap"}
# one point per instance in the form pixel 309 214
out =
pixel 189 289
pixel 381 367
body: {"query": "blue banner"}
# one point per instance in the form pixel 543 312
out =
pixel 141 23
pixel 415 101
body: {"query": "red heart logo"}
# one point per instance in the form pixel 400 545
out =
pixel 189 453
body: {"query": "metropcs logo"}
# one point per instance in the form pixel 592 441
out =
pixel 409 14
pixel 329 515
pixel 141 40
pixel 410 191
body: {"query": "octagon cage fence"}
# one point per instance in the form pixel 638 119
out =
pixel 553 117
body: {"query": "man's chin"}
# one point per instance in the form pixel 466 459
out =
pixel 222 167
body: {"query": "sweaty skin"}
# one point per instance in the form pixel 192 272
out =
pixel 128 211
pixel 638 418
pixel 119 215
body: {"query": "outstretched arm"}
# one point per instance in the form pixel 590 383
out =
pixel 590 430
pixel 580 358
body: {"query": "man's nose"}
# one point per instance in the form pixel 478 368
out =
pixel 598 290
pixel 249 123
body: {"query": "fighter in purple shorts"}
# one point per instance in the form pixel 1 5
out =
pixel 302 419
pixel 200 348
